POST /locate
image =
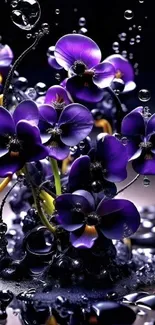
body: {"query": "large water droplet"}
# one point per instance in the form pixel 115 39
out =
pixel 82 21
pixel 122 37
pixel 144 95
pixel 128 14
pixel 27 14
pixel 115 46
pixel 146 181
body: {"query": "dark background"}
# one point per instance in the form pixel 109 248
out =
pixel 104 21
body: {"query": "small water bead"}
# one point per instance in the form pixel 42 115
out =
pixel 134 26
pixel 50 51
pixel 75 9
pixel 40 88
pixel 31 93
pixel 28 36
pixel 124 141
pixel 115 46
pixel 74 31
pixel 144 95
pixel 45 27
pixel 124 54
pixel 132 41
pixel 130 56
pixel 26 14
pixel 139 28
pixel 130 29
pixel 57 76
pixel 57 11
pixel 141 1
pixel 83 30
pixel 146 181
pixel 128 14
pixel 138 39
pixel 14 4
pixel 82 21
pixel 122 37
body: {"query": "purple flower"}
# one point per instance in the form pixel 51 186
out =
pixel 60 132
pixel 57 97
pixel 19 138
pixel 6 56
pixel 52 60
pixel 107 163
pixel 81 56
pixel 140 132
pixel 123 70
pixel 78 214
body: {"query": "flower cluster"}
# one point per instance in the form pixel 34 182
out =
pixel 56 126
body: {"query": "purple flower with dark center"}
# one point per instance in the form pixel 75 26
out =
pixel 81 56
pixel 139 129
pixel 60 132
pixel 77 213
pixel 57 97
pixel 19 138
pixel 106 163
pixel 123 70
pixel 6 56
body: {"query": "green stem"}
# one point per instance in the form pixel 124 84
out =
pixel 55 170
pixel 37 204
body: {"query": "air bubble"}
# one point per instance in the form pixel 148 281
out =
pixel 28 36
pixel 124 54
pixel 128 14
pixel 27 14
pixel 138 39
pixel 146 181
pixel 132 41
pixel 141 1
pixel 144 95
pixel 82 21
pixel 31 93
pixel 130 56
pixel 122 37
pixel 139 28
pixel 57 11
pixel 115 46
pixel 57 76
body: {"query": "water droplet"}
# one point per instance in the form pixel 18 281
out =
pixel 83 30
pixel 115 46
pixel 132 41
pixel 28 36
pixel 130 29
pixel 146 181
pixel 141 1
pixel 74 31
pixel 27 14
pixel 82 21
pixel 144 95
pixel 134 26
pixel 124 53
pixel 124 141
pixel 31 93
pixel 50 51
pixel 138 39
pixel 122 37
pixel 136 65
pixel 57 11
pixel 40 88
pixel 14 4
pixel 139 28
pixel 128 14
pixel 45 28
pixel 57 76
pixel 130 56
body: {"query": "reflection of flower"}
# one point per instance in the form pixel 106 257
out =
pixel 59 133
pixel 105 163
pixel 140 132
pixel 123 70
pixel 81 57
pixel 19 138
pixel 77 214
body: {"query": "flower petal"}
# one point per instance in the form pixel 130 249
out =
pixel 56 94
pixel 121 65
pixel 26 110
pixel 53 62
pixel 133 124
pixel 48 113
pixel 65 204
pixel 6 56
pixel 129 86
pixel 120 218
pixel 84 237
pixel 7 123
pixel 83 89
pixel 104 74
pixel 9 165
pixel 73 47
pixel 133 148
pixel 58 150
pixel 151 125
pixel 81 166
pixel 76 123
pixel 87 196
pixel 113 155
pixel 145 164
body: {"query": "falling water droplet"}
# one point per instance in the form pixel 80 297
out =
pixel 132 41
pixel 146 181
pixel 144 95
pixel 122 37
pixel 138 39
pixel 128 14
pixel 27 14
pixel 82 21
pixel 115 46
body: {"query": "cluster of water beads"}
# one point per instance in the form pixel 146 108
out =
pixel 44 29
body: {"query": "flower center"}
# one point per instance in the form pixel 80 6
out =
pixel 92 219
pixel 118 74
pixel 79 67
pixel 145 145
pixel 59 103
pixel 14 147
pixel 56 131
pixel 95 166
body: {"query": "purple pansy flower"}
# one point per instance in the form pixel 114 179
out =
pixel 81 56
pixel 106 163
pixel 57 97
pixel 78 214
pixel 140 132
pixel 19 138
pixel 6 56
pixel 123 70
pixel 60 132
